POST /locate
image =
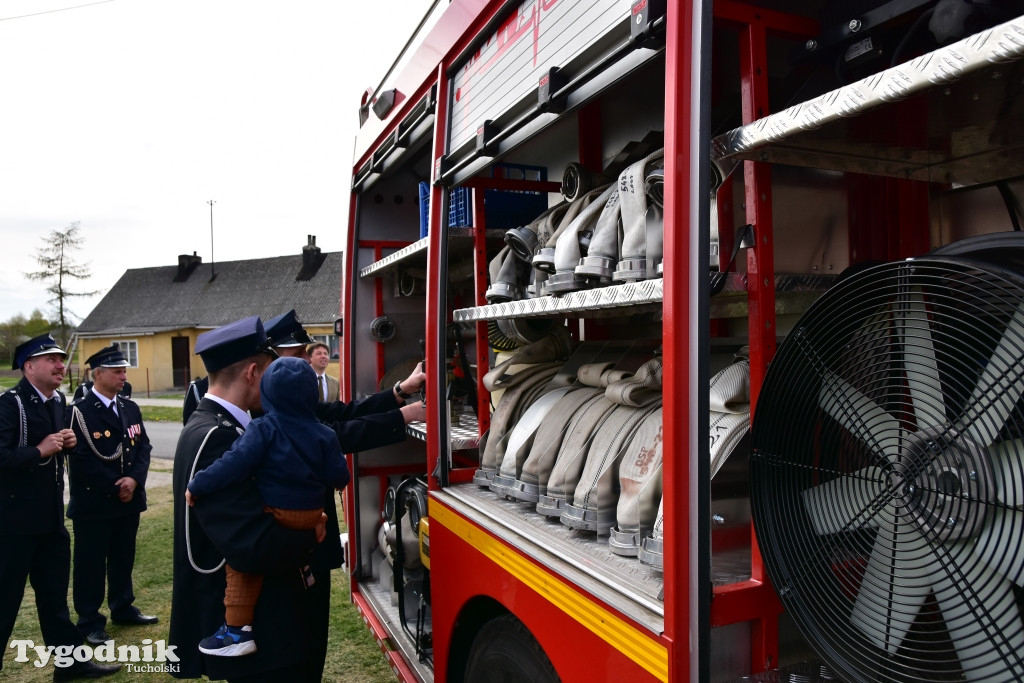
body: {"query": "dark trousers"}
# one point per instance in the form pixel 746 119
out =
pixel 104 556
pixel 45 560
pixel 318 603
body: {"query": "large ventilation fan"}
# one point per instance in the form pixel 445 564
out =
pixel 888 470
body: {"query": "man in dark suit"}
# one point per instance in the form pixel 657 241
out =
pixel 320 358
pixel 193 395
pixel 232 526
pixel 107 472
pixel 35 544
pixel 375 421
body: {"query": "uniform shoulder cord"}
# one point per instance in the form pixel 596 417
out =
pixel 188 535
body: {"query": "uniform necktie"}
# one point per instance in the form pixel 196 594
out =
pixel 320 387
pixel 113 407
pixel 55 414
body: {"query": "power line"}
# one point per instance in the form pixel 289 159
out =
pixel 51 11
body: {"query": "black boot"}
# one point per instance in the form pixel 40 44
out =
pixel 87 669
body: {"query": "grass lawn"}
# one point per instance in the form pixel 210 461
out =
pixel 353 656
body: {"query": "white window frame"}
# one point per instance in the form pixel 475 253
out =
pixel 130 349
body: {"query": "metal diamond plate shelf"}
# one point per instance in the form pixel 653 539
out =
pixel 465 434
pixel 617 296
pixel 972 93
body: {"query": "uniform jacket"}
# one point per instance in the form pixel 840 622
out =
pixel 231 524
pixel 372 422
pixel 31 489
pixel 381 422
pixel 92 476
pixel 294 457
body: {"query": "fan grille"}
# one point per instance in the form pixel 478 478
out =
pixel 888 473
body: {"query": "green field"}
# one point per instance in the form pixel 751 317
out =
pixel 352 657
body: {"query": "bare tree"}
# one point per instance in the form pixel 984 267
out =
pixel 58 267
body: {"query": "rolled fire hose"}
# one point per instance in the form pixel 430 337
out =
pixel 730 421
pixel 596 493
pixel 507 276
pixel 509 272
pixel 539 362
pixel 543 261
pixel 520 440
pixel 588 421
pixel 572 243
pixel 577 180
pixel 556 346
pixel 602 254
pixel 639 488
pixel 592 380
pixel 523 241
pixel 625 228
pixel 544 258
pixel 639 235
pixel 730 410
pixel 652 549
pixel 514 402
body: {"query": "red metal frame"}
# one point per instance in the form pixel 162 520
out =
pixel 680 319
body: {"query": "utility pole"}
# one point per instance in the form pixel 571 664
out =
pixel 213 268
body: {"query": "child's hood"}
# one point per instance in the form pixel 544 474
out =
pixel 289 386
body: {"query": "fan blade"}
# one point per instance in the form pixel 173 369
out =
pixel 919 363
pixel 999 543
pixel 1008 467
pixel 999 387
pixel 861 416
pixel 895 584
pixel 981 616
pixel 845 503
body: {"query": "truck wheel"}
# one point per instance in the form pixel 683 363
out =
pixel 504 651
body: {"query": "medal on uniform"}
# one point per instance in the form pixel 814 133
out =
pixel 106 432
pixel 96 435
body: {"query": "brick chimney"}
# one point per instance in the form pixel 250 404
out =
pixel 186 265
pixel 312 259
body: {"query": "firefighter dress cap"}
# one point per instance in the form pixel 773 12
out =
pixel 37 346
pixel 108 357
pixel 231 343
pixel 286 330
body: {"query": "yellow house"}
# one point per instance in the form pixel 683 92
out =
pixel 155 314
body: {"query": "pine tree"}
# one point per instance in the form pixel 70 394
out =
pixel 58 267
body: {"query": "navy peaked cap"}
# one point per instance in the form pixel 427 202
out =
pixel 37 346
pixel 286 330
pixel 108 357
pixel 231 343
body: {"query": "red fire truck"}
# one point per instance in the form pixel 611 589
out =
pixel 612 230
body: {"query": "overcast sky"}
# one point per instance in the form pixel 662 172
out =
pixel 129 115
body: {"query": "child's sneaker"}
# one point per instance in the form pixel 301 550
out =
pixel 229 641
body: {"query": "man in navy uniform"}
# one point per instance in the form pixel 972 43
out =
pixel 376 421
pixel 36 545
pixel 232 525
pixel 107 472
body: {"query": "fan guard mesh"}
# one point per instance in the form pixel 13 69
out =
pixel 887 473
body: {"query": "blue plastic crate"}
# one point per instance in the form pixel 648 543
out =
pixel 460 212
pixel 424 208
pixel 503 209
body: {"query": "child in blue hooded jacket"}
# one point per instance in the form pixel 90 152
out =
pixel 293 458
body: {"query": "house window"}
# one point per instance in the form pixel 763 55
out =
pixel 331 341
pixel 130 349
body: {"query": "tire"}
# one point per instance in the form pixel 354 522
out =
pixel 504 651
